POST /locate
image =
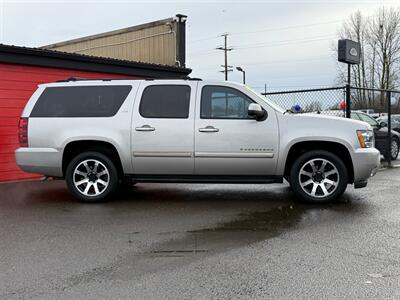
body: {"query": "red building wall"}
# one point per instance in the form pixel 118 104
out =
pixel 17 84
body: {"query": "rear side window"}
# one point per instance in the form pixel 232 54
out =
pixel 165 101
pixel 81 101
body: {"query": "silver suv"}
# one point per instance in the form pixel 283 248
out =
pixel 98 134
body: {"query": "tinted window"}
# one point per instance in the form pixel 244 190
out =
pixel 165 101
pixel 218 102
pixel 81 101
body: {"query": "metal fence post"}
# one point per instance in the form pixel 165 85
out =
pixel 348 101
pixel 389 126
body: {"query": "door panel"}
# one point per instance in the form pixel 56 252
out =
pixel 162 129
pixel 234 144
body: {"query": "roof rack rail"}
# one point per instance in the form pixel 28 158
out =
pixel 96 79
pixel 72 79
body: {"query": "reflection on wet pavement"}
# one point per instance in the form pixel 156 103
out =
pixel 169 240
pixel 162 226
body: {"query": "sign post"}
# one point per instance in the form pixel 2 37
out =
pixel 349 53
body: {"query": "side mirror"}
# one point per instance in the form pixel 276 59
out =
pixel 255 110
pixel 383 124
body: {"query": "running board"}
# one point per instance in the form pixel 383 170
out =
pixel 207 178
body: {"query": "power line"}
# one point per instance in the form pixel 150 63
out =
pixel 267 29
pixel 286 44
pixel 287 27
pixel 271 43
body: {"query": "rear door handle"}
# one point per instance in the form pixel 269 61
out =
pixel 209 129
pixel 145 128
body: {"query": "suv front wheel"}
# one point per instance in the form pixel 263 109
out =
pixel 91 177
pixel 318 176
pixel 394 149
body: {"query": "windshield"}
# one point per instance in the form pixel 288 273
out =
pixel 371 121
pixel 269 102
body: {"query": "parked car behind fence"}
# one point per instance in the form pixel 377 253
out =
pixel 395 121
pixel 341 100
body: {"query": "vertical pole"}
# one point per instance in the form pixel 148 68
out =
pixel 181 39
pixel 226 56
pixel 265 89
pixel 348 101
pixel 348 94
pixel 348 74
pixel 389 125
pixel 244 77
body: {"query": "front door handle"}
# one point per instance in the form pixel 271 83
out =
pixel 209 129
pixel 145 128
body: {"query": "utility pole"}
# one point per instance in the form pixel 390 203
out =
pixel 226 49
pixel 265 89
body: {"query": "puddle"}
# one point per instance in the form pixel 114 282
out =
pixel 243 231
pixel 253 227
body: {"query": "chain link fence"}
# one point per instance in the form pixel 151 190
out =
pixel 379 108
pixel 310 100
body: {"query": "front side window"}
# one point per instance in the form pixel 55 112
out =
pixel 165 101
pixel 219 102
pixel 81 101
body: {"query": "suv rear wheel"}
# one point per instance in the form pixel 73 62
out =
pixel 91 177
pixel 318 176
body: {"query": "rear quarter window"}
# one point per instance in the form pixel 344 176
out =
pixel 80 101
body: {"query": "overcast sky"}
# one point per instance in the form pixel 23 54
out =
pixel 285 44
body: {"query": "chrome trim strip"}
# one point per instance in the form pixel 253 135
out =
pixel 161 154
pixel 234 154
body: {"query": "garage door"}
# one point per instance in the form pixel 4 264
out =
pixel 17 84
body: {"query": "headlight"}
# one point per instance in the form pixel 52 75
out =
pixel 366 138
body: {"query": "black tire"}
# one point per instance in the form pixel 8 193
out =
pixel 112 177
pixel 335 191
pixel 393 156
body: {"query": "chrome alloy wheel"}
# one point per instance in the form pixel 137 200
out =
pixel 91 177
pixel 319 178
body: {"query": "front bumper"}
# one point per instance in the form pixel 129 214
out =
pixel 46 161
pixel 366 162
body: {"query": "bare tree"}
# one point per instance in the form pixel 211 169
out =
pixel 313 106
pixel 384 32
pixel 379 37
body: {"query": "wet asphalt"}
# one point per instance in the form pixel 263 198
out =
pixel 177 241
